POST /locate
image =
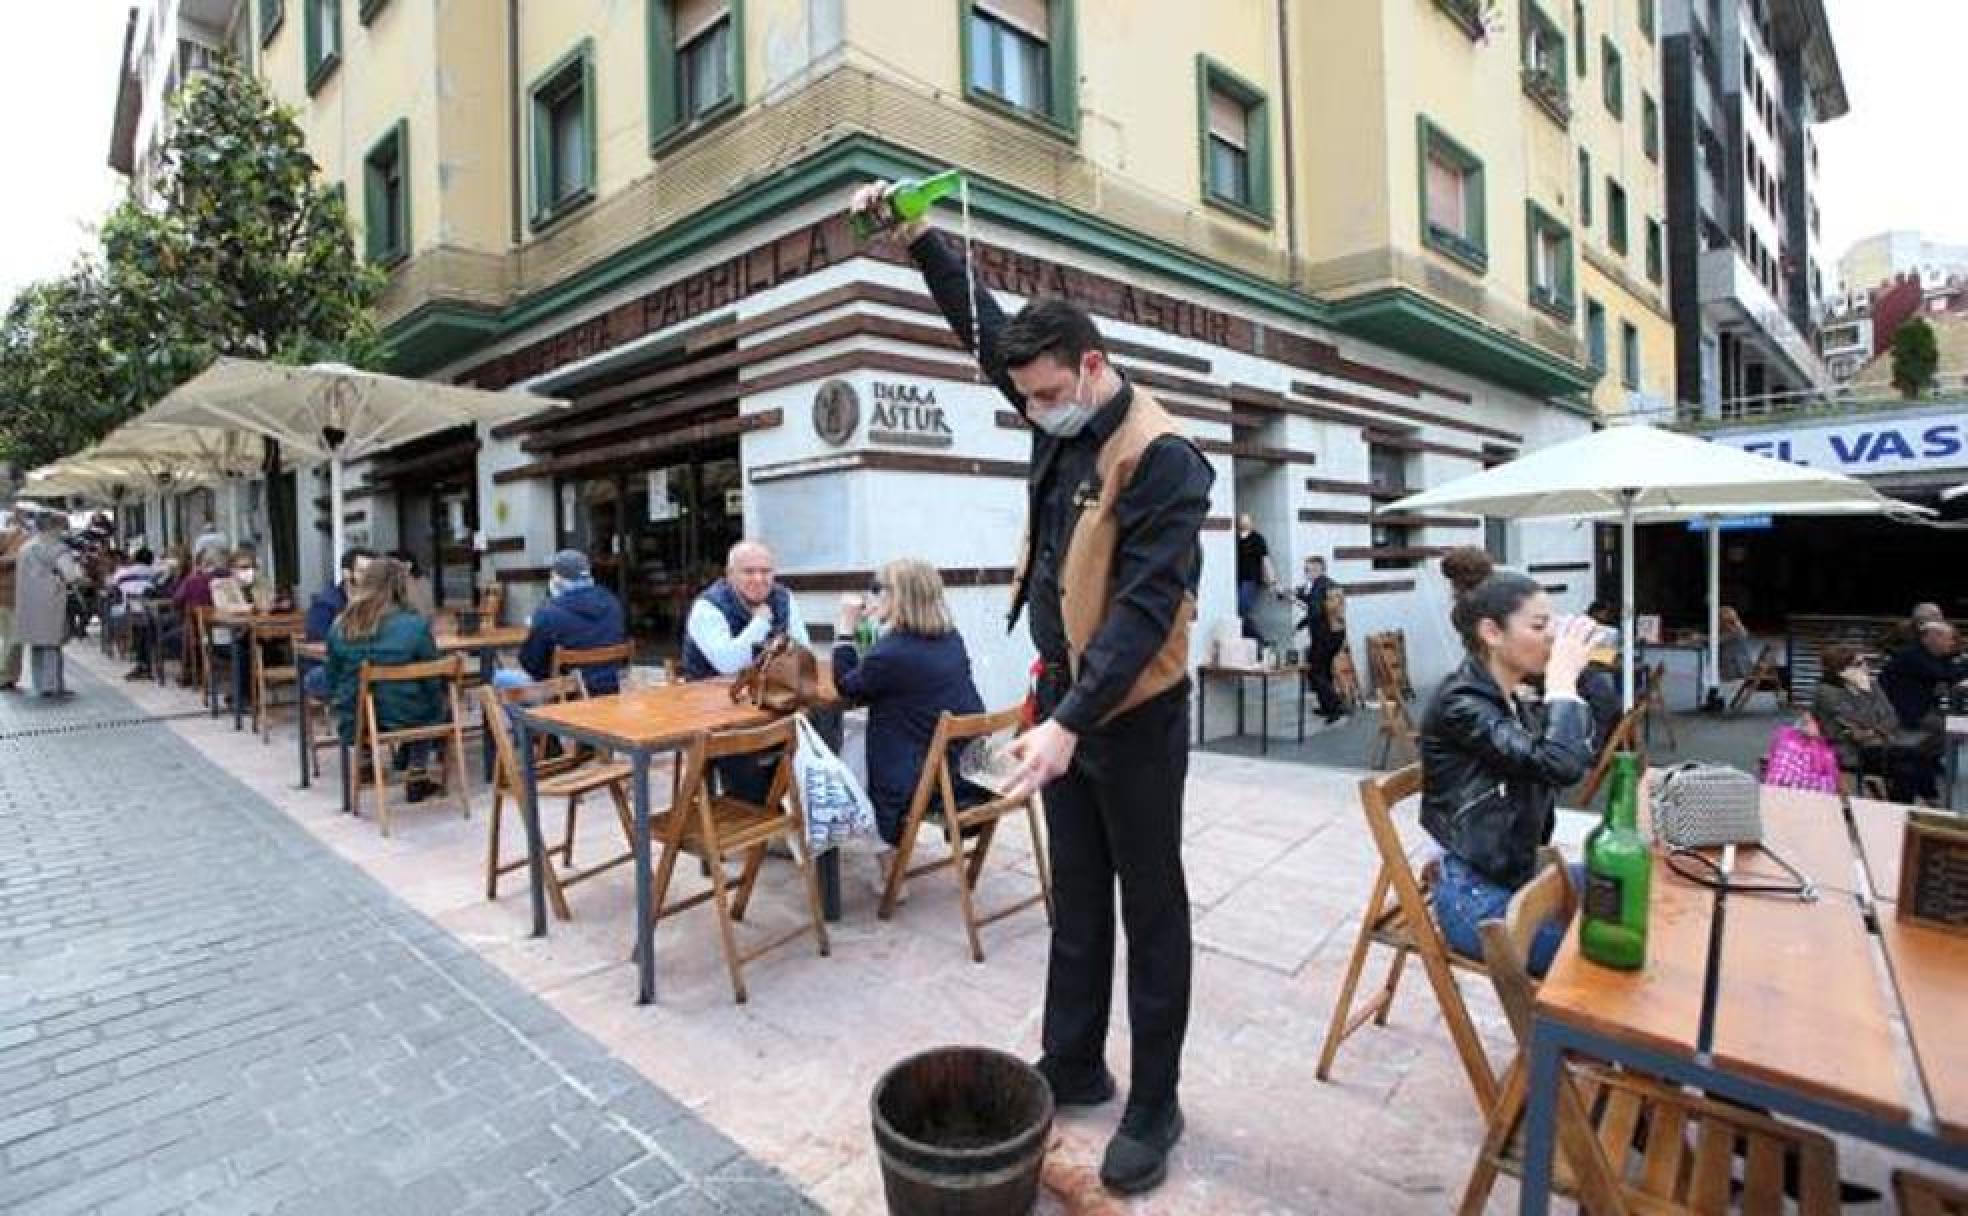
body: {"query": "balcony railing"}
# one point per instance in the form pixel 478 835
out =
pixel 1547 89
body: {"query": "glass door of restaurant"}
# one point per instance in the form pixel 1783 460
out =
pixel 435 525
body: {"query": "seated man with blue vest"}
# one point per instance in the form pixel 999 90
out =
pixel 734 616
pixel 728 624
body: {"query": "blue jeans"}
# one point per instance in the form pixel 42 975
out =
pixel 1246 604
pixel 510 677
pixel 1465 899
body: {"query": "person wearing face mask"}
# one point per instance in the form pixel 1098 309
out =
pixel 1117 497
pixel 578 615
pixel 1493 764
pixel 1855 715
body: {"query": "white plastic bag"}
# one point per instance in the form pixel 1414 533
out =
pixel 837 808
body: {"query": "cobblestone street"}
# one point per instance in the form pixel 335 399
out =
pixel 204 1009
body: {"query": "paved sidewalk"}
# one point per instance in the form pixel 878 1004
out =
pixel 202 1008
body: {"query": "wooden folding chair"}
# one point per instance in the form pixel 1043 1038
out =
pixel 370 735
pixel 1397 729
pixel 195 646
pixel 1346 679
pixel 554 779
pixel 1398 917
pixel 714 827
pixel 1762 677
pixel 567 659
pixel 1919 1195
pixel 967 831
pixel 1624 1140
pixel 491 602
pixel 1624 737
pixel 1653 699
pixel 276 670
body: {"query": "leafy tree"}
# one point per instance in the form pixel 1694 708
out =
pixel 59 388
pixel 1915 357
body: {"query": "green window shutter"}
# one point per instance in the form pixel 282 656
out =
pixel 664 67
pixel 1470 247
pixel 1615 94
pixel 272 14
pixel 367 9
pixel 1585 187
pixel 1063 57
pixel 1557 301
pixel 1213 79
pixel 386 220
pixel 572 71
pixel 1579 38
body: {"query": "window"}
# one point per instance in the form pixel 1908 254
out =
pixel 1018 57
pixel 1585 188
pixel 1616 216
pixel 1387 468
pixel 1650 127
pixel 1595 335
pixel 1578 38
pixel 562 103
pixel 386 198
pixel 1645 9
pixel 1544 63
pixel 323 39
pixel 1496 538
pixel 1609 58
pixel 1629 355
pixel 696 64
pixel 273 13
pixel 1451 198
pixel 1236 141
pixel 1550 262
pixel 1656 255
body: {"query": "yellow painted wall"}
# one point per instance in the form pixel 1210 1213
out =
pixel 474 144
pixel 1609 396
pixel 1344 180
pixel 619 29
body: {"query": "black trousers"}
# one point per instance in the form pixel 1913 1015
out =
pixel 1319 656
pixel 1117 814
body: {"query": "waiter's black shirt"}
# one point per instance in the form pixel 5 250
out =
pixel 1159 559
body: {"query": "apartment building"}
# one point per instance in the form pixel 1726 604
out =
pixel 1746 82
pixel 1343 242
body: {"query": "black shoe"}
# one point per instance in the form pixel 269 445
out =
pixel 416 789
pixel 1137 1156
pixel 137 673
pixel 1073 1086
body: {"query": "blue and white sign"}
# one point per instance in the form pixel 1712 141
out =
pixel 1735 523
pixel 1906 444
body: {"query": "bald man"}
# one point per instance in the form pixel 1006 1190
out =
pixel 735 615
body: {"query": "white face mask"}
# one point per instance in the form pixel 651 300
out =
pixel 243 575
pixel 1068 420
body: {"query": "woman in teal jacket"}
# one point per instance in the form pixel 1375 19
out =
pixel 379 627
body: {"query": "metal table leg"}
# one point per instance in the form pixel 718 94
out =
pixel 1238 684
pixel 1301 707
pixel 1264 714
pixel 240 645
pixel 1202 705
pixel 529 814
pixel 828 867
pixel 1541 1123
pixel 645 943
pixel 302 729
pixel 488 662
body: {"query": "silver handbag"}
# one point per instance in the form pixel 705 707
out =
pixel 1699 806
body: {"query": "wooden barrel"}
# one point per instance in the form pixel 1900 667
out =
pixel 961 1131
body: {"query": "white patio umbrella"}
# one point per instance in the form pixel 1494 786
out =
pixel 186 455
pixel 1637 472
pixel 331 412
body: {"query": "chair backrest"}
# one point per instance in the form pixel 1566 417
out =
pixel 1507 942
pixel 1625 736
pixel 1378 798
pixel 492 703
pixel 567 658
pixel 490 601
pixel 952 729
pixel 450 667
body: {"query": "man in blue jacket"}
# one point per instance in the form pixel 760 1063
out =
pixel 578 616
pixel 322 611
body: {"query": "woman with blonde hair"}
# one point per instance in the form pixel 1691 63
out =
pixel 916 670
pixel 379 627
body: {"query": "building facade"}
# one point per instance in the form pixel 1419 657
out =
pixel 1746 80
pixel 1889 255
pixel 637 208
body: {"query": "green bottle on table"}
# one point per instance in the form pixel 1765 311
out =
pixel 1619 870
pixel 906 201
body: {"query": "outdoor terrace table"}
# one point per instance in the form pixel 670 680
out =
pixel 486 644
pixel 639 723
pixel 1774 1002
pixel 1698 649
pixel 1237 676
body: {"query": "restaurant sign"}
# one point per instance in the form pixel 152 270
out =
pixel 1904 444
pixel 908 415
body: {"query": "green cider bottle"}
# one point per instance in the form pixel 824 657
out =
pixel 905 202
pixel 1619 869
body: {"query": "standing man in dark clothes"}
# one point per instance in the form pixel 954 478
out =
pixel 1254 574
pixel 1116 499
pixel 1323 642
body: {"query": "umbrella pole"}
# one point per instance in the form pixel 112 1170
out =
pixel 335 507
pixel 231 489
pixel 1714 609
pixel 1626 603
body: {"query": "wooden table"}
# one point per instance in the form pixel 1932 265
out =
pixel 486 643
pixel 240 626
pixel 1264 676
pixel 639 723
pixel 1776 1002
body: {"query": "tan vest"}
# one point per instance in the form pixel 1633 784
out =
pixel 1086 575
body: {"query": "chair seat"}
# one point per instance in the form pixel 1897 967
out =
pixel 740 825
pixel 582 780
pixel 413 734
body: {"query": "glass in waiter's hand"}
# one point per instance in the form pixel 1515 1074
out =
pixel 987 762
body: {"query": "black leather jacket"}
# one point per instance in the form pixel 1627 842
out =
pixel 1491 772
